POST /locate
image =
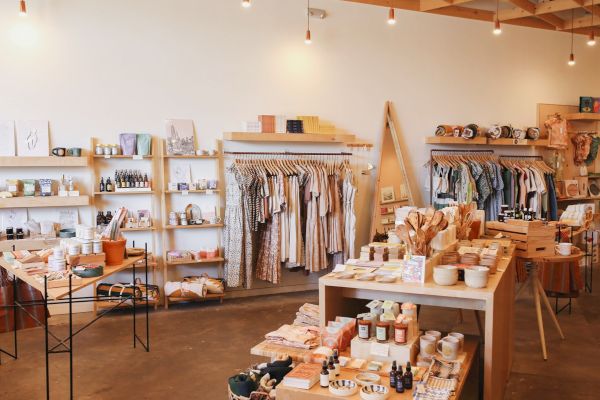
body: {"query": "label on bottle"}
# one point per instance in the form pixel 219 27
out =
pixel 138 157
pixel 400 335
pixel 363 331
pixel 324 380
pixel 381 333
pixel 393 379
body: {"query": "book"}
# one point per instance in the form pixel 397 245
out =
pixel 304 376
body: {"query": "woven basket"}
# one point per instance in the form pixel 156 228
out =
pixel 233 396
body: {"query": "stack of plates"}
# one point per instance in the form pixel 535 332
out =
pixel 469 259
pixel 490 261
pixel 450 257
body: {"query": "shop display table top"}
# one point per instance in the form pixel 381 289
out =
pixel 63 292
pixel 319 393
pixel 346 297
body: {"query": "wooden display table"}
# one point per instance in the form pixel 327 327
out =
pixel 469 368
pixel 497 300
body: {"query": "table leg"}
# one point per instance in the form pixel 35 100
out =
pixel 540 321
pixel 542 294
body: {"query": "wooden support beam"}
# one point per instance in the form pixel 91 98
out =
pixel 428 5
pixel 547 7
pixel 465 12
pixel 525 5
pixel 412 5
pixel 553 20
pixel 581 23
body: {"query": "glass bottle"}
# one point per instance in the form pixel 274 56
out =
pixel 399 383
pixel 102 185
pixel 407 378
pixel 109 186
pixel 331 369
pixel 100 219
pixel 146 182
pixel 393 375
pixel 117 180
pixel 336 362
pixel 324 378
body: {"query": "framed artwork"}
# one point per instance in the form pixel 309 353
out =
pixel 414 270
pixel 32 138
pixel 387 195
pixel 180 137
pixel 7 138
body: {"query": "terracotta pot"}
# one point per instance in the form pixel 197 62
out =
pixel 114 250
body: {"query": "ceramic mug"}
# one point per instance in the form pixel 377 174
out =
pixel 448 347
pixel 564 249
pixel 74 152
pixel 427 346
pixel 460 337
pixel 59 151
pixel 436 334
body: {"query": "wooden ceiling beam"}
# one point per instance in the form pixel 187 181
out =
pixel 553 20
pixel 465 12
pixel 580 23
pixel 548 7
pixel 529 9
pixel 412 5
pixel 428 5
pixel 525 5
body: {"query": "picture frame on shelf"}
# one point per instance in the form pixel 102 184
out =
pixel 33 138
pixel 180 137
pixel 387 195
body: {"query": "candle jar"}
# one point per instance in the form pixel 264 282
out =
pixel 400 332
pixel 45 187
pixel 382 330
pixel 99 150
pixel 364 329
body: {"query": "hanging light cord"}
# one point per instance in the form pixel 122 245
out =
pixel 497 9
pixel 308 14
pixel 572 21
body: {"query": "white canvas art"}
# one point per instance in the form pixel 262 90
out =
pixel 180 137
pixel 7 138
pixel 32 138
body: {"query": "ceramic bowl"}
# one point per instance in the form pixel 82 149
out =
pixel 369 276
pixel 445 275
pixel 345 275
pixel 343 387
pixel 374 392
pixel 367 378
pixel 476 276
pixel 385 278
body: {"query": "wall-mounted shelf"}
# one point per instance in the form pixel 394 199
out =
pixel 289 137
pixel 205 261
pixel 44 161
pixel 44 201
pixel 122 157
pixel 203 226
pixel 207 191
pixel 568 199
pixel 583 117
pixel 120 193
pixel 150 228
pixel 191 157
pixel 482 141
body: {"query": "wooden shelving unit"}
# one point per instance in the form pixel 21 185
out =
pixel 168 196
pixel 63 162
pixel 582 117
pixel 44 201
pixel 209 296
pixel 105 200
pixel 289 137
pixel 482 141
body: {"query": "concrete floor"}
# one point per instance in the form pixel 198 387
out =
pixel 196 347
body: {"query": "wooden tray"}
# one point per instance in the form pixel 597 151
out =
pixel 532 238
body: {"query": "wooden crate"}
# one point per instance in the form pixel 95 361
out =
pixel 98 259
pixel 532 238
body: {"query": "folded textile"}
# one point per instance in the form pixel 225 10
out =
pixel 302 337
pixel 242 385
pixel 185 289
pixel 307 315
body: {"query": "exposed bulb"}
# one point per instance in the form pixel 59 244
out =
pixel 391 17
pixel 307 39
pixel 571 60
pixel 22 8
pixel 497 28
pixel 246 3
pixel 592 39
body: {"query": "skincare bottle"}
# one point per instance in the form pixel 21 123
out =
pixel 407 378
pixel 336 362
pixel 399 384
pixel 331 369
pixel 393 375
pixel 324 377
pixel 102 184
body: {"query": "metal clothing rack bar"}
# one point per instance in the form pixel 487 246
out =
pixel 284 153
pixel 434 152
pixel 537 157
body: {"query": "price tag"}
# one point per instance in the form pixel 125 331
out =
pixel 138 157
pixel 107 156
pixel 209 191
pixel 185 192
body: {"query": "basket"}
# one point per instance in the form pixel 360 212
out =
pixel 232 396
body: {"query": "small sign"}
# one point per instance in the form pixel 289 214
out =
pixel 380 349
pixel 185 192
pixel 63 193
pixel 138 157
pixel 209 191
pixel 107 156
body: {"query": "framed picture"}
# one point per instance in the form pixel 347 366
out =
pixel 180 137
pixel 387 195
pixel 32 138
pixel 7 138
pixel 414 270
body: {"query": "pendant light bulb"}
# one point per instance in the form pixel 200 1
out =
pixel 391 17
pixel 497 27
pixel 571 60
pixel 22 8
pixel 592 39
pixel 307 38
pixel 246 3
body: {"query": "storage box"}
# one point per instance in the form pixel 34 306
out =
pixel 532 238
pixel 400 353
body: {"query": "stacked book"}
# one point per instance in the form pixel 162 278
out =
pixel 267 123
pixel 304 376
pixel 310 123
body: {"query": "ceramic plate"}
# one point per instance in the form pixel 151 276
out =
pixel 343 387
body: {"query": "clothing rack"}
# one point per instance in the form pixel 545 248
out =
pixel 285 153
pixel 449 152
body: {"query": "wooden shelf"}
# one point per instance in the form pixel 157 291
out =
pixel 122 157
pixel 44 201
pixel 583 117
pixel 193 226
pixel 454 140
pixel 192 157
pixel 289 137
pixel 516 142
pixel 204 261
pixel 121 193
pixel 139 304
pixel 209 296
pixel 44 161
pixel 588 198
pixel 193 191
pixel 150 228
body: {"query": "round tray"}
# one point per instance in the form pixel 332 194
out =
pixel 88 272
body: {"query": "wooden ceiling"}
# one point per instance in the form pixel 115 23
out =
pixel 543 14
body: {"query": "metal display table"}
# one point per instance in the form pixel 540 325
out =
pixel 64 295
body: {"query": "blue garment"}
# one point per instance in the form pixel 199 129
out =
pixel 552 203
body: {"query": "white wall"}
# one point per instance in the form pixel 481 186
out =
pixel 102 67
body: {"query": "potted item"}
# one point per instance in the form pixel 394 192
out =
pixel 113 244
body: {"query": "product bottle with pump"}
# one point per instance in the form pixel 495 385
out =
pixel 324 377
pixel 336 362
pixel 109 187
pixel 407 378
pixel 393 375
pixel 399 384
pixel 331 369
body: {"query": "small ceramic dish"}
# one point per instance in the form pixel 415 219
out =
pixel 386 278
pixel 365 277
pixel 343 387
pixel 374 392
pixel 345 275
pixel 367 378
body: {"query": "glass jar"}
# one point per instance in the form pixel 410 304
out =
pixel 99 150
pixel 114 150
pixel 107 150
pixel 364 329
pixel 400 332
pixel 382 331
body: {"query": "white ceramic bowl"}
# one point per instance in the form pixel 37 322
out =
pixel 374 392
pixel 445 275
pixel 343 387
pixel 476 276
pixel 367 378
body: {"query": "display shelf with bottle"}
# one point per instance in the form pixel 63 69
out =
pixel 186 204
